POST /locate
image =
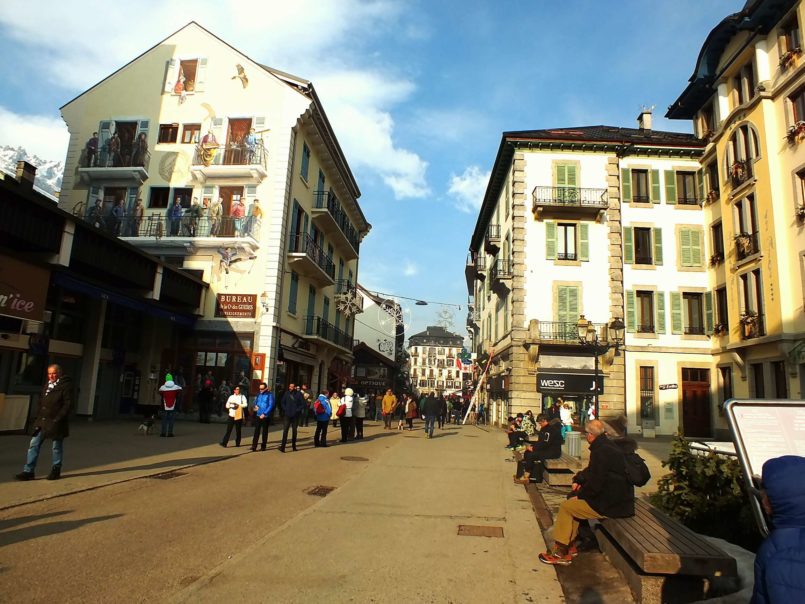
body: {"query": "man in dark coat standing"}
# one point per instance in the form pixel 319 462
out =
pixel 50 422
pixel 602 489
pixel 430 408
pixel 292 404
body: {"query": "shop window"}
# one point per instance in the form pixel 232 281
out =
pixel 168 133
pixel 726 383
pixel 758 384
pixel 647 395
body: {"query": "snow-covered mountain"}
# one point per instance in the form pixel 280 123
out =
pixel 48 172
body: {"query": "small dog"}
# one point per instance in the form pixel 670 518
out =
pixel 147 426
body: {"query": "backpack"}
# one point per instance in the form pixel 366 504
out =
pixel 637 472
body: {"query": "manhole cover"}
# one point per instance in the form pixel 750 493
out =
pixel 168 475
pixel 353 458
pixel 320 491
pixel 472 530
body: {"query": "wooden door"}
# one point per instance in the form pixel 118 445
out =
pixel 235 141
pixel 696 419
pixel 229 195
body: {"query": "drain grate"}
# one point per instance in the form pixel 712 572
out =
pixel 320 491
pixel 353 458
pixel 168 475
pixel 473 530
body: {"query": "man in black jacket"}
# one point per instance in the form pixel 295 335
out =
pixel 548 446
pixel 602 490
pixel 50 422
pixel 292 404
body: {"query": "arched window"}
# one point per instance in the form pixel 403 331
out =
pixel 742 152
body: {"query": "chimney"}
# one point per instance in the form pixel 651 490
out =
pixel 26 174
pixel 644 119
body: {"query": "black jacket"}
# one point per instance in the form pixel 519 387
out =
pixel 604 484
pixel 54 409
pixel 431 406
pixel 549 441
pixel 292 403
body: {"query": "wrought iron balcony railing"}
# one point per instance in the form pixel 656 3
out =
pixel 646 328
pixel 574 197
pixel 746 244
pixel 318 327
pixel 231 154
pixel 158 226
pixel 304 244
pixel 565 332
pixel 694 330
pixel 501 269
pixel 124 157
pixel 327 200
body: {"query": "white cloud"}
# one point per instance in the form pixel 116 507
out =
pixel 46 137
pixel 65 49
pixel 410 269
pixel 468 189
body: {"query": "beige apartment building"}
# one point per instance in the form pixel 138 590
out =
pixel 228 169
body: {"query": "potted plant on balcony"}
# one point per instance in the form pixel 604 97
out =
pixel 712 196
pixel 749 321
pixel 738 172
pixel 801 212
pixel 719 329
pixel 796 133
pixel 788 57
pixel 716 259
pixel 743 241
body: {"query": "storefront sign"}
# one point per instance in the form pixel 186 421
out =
pixel 668 386
pixel 236 306
pixel 23 289
pixel 569 383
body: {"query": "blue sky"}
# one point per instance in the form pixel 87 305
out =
pixel 418 92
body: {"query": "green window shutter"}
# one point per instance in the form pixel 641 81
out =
pixel 657 246
pixel 655 186
pixel 670 186
pixel 659 306
pixel 684 247
pixel 571 176
pixel 626 185
pixel 561 175
pixel 631 312
pixel 696 252
pixel 584 241
pixel 708 312
pixel 628 245
pixel 676 312
pixel 573 304
pixel 561 304
pixel 550 240
pixel 700 185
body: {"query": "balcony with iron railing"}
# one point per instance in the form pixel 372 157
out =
pixel 307 258
pixel 746 244
pixel 560 332
pixel 316 328
pixel 155 226
pixel 694 330
pixel 126 166
pixel 232 160
pixel 329 216
pixel 645 328
pixel 501 273
pixel 492 239
pixel 569 200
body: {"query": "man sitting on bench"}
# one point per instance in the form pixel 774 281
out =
pixel 516 434
pixel 603 490
pixel 547 446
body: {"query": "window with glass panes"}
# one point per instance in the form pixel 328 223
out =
pixel 566 241
pixel 686 188
pixel 647 394
pixel 645 311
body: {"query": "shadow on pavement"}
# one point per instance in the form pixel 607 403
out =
pixel 47 529
pixel 11 522
pixel 196 461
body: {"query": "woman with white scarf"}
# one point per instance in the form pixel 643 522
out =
pixel 236 405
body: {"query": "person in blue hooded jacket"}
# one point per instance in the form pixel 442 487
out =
pixel 322 419
pixel 263 406
pixel 780 560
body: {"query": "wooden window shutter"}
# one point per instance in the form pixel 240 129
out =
pixel 572 303
pixel 561 175
pixel 550 240
pixel 708 312
pixel 700 185
pixel 628 245
pixel 684 247
pixel 584 242
pixel 654 175
pixel 670 186
pixel 201 74
pixel 696 251
pixel 657 246
pixel 570 171
pixel 171 75
pixel 631 311
pixel 561 304
pixel 626 185
pixel 659 310
pixel 676 313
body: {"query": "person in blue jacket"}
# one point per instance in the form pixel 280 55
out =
pixel 780 560
pixel 322 419
pixel 263 406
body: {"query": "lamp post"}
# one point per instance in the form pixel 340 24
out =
pixel 588 337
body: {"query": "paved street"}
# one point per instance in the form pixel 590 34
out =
pixel 245 529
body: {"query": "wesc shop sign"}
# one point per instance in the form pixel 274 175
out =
pixel 569 383
pixel 23 289
pixel 236 306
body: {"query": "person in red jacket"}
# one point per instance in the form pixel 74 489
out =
pixel 170 393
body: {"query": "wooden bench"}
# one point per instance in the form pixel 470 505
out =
pixel 662 560
pixel 560 471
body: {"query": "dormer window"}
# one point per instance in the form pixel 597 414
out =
pixel 744 84
pixel 185 76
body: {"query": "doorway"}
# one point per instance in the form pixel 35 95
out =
pixel 235 153
pixel 230 195
pixel 696 419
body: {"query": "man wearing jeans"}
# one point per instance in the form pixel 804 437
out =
pixel 170 395
pixel 50 422
pixel 292 404
pixel 430 407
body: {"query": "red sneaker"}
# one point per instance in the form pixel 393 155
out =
pixel 572 551
pixel 555 558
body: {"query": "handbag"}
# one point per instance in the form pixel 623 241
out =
pixel 342 409
pixel 319 408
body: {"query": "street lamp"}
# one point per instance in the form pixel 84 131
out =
pixel 588 337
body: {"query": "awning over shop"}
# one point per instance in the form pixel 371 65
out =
pixel 143 306
pixel 292 355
